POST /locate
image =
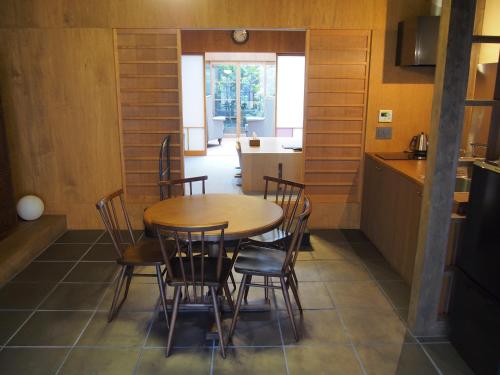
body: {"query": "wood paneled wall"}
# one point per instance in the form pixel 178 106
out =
pixel 58 80
pixel 148 68
pixel 336 97
pixel 406 90
pixel 59 93
pixel 284 42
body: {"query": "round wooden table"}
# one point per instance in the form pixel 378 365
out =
pixel 247 216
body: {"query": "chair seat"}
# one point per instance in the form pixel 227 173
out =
pixel 210 271
pixel 272 236
pixel 255 260
pixel 145 253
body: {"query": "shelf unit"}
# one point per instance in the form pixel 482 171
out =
pixel 147 69
pixel 336 96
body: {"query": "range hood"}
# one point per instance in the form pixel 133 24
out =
pixel 417 41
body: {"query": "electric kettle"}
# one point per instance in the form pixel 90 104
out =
pixel 418 144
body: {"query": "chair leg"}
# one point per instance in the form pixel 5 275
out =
pixel 233 259
pixel 239 299
pixel 175 309
pixel 130 273
pixel 217 321
pixel 293 286
pixel 231 276
pixel 227 292
pixel 266 290
pixel 163 297
pixel 247 288
pixel 289 306
pixel 118 288
pixel 294 276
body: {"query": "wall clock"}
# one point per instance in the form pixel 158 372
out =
pixel 240 36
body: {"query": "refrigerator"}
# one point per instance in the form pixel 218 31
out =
pixel 475 305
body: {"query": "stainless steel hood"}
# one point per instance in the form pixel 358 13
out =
pixel 417 41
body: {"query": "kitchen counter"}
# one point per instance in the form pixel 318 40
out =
pixel 412 169
pixel 415 171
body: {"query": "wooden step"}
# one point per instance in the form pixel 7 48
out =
pixel 26 242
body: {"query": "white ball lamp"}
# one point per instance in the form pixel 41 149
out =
pixel 30 207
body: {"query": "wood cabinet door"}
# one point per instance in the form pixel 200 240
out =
pixel 407 216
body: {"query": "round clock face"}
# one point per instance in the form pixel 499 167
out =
pixel 240 36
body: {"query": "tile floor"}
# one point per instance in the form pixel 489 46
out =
pixel 53 319
pixel 219 164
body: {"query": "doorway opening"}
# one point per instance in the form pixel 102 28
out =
pixel 229 97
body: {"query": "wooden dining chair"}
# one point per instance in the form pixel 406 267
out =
pixel 129 253
pixel 272 263
pixel 171 188
pixel 288 195
pixel 197 277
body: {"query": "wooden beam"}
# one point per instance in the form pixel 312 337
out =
pixel 455 41
pixel 493 151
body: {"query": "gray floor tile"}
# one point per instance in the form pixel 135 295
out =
pixel 125 236
pixel 100 361
pixel 126 329
pixel 399 359
pixel 305 255
pixel 372 326
pixel 381 270
pixel 313 295
pixel 342 270
pixel 53 328
pixel 332 251
pixel 10 321
pixel 255 329
pixel 331 360
pixel 403 314
pixel 357 294
pixel 306 271
pixel 101 252
pixel 141 297
pixel 250 361
pixel 80 236
pixel 447 359
pixel 39 271
pixel 24 295
pixel 365 250
pixel 398 292
pixel 93 272
pixel 180 361
pixel 75 297
pixel 64 252
pixel 316 327
pixel 190 330
pixel 28 361
pixel 328 235
pixel 354 235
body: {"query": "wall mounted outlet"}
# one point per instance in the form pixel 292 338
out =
pixel 385 115
pixel 383 133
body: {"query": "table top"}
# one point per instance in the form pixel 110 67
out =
pixel 269 145
pixel 247 216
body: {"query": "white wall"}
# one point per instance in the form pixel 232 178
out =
pixel 290 92
pixel 193 107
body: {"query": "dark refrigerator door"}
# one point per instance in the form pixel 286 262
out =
pixel 479 251
pixel 475 325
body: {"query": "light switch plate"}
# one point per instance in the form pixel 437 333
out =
pixel 385 115
pixel 383 133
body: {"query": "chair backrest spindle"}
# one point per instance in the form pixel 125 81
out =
pixel 111 216
pixel 193 270
pixel 170 184
pixel 288 195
